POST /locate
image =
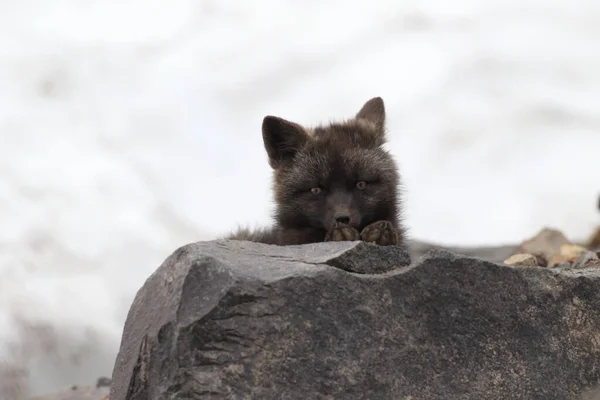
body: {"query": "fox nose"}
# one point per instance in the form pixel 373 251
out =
pixel 342 217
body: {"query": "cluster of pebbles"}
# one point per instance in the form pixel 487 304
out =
pixel 550 248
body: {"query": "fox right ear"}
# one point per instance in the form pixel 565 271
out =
pixel 374 112
pixel 282 139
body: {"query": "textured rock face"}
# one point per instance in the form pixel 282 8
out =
pixel 238 320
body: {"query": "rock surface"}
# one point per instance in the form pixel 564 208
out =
pixel 239 320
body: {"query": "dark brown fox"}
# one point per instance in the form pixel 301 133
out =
pixel 332 183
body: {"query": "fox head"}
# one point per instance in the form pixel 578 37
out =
pixel 335 173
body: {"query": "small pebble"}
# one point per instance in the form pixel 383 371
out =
pixel 103 382
pixel 522 260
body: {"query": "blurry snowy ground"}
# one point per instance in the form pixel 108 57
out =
pixel 129 128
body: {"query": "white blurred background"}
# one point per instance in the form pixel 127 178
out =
pixel 129 128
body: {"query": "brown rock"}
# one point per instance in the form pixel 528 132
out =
pixel 546 244
pixel 522 260
pixel 594 240
pixel 567 253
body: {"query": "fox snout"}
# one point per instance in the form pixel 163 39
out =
pixel 342 214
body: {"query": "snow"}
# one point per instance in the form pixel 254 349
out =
pixel 129 128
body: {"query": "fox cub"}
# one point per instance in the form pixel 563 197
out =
pixel 331 183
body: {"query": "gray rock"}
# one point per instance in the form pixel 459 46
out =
pixel 240 320
pixel 361 257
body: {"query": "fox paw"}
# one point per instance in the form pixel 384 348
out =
pixel 381 233
pixel 341 233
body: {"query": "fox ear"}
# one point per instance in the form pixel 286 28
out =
pixel 374 112
pixel 282 139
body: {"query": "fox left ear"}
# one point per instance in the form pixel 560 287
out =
pixel 282 139
pixel 374 112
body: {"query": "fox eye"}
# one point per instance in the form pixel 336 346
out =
pixel 315 190
pixel 361 185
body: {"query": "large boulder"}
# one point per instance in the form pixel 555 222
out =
pixel 240 320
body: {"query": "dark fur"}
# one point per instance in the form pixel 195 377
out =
pixel 332 158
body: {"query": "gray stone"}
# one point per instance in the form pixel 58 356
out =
pixel 240 320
